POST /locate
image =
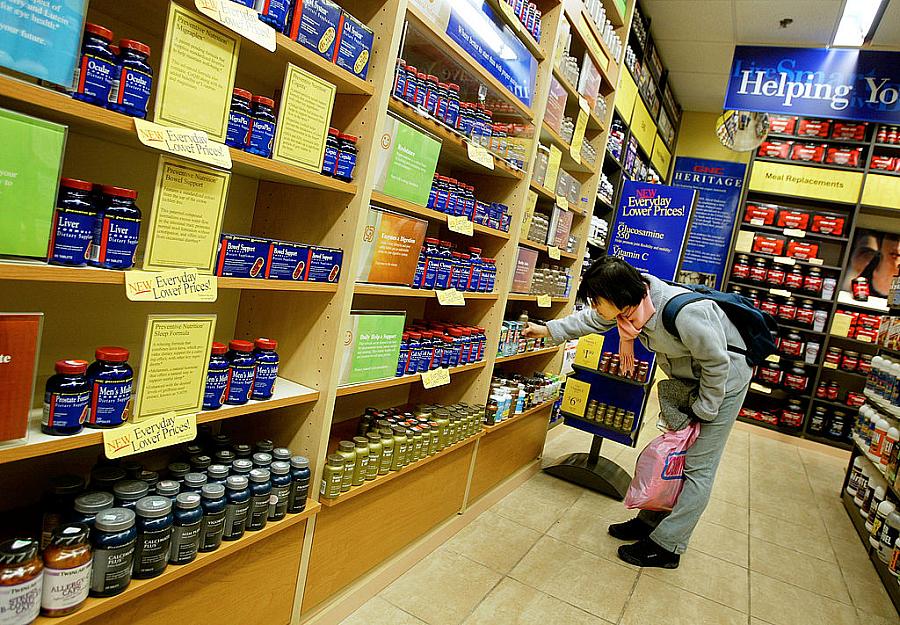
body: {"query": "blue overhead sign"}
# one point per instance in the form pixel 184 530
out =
pixel 840 83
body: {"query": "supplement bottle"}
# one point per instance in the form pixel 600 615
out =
pixel 67 570
pixel 400 448
pixel 237 506
pixel 266 368
pixel 132 83
pixel 890 532
pixel 88 505
pixel 199 463
pixel 347 451
pixel 261 490
pixel 186 528
pixel 117 229
pixel 361 462
pixel 154 539
pixel 262 128
pixel 168 489
pixel 281 490
pixel 96 67
pixel 346 162
pixel 216 378
pixel 113 538
pixel 66 399
pixel 387 451
pixel 274 12
pixel 374 443
pixel 332 149
pixel 57 503
pixel 129 492
pixel 241 366
pixel 281 453
pixel 884 510
pixel 193 482
pixel 216 474
pixel 262 460
pixel 300 476
pixel 332 476
pixel 264 446
pixel 239 119
pixel 242 450
pixel 242 466
pixel 213 524
pixel 111 380
pixel 21 572
pixel 225 457
pixel 73 224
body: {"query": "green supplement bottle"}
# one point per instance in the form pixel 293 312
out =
pixel 442 417
pixel 374 443
pixel 399 458
pixel 361 462
pixel 387 451
pixel 417 440
pixel 332 476
pixel 347 451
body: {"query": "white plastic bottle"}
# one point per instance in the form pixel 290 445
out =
pixel 865 480
pixel 881 428
pixel 871 510
pixel 890 439
pixel 855 475
pixel 884 509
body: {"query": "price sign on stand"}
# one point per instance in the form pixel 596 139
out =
pixel 451 297
pixel 460 224
pixel 544 301
pixel 242 20
pixel 575 398
pixel 477 154
pixel 553 252
pixel 436 377
pixel 562 203
pixel 587 353
pixel 163 431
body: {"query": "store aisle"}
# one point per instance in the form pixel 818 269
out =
pixel 766 552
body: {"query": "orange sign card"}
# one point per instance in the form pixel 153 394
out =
pixel 20 337
pixel 390 248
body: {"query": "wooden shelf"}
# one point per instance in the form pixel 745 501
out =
pixel 594 122
pixel 405 291
pixel 525 297
pixel 489 429
pixel 287 393
pixel 384 479
pixel 838 337
pixel 436 216
pixel 298 54
pixel 111 126
pixel 611 78
pixel 95 607
pixel 535 352
pixel 568 163
pixel 546 194
pixel 365 387
pixel 453 146
pixel 517 27
pixel 543 248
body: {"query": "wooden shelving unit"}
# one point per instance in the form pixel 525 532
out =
pixel 364 387
pixel 532 354
pixel 432 215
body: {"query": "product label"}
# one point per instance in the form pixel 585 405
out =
pixel 66 410
pixel 111 572
pixel 354 47
pixel 264 382
pixel 110 400
pixel 93 78
pixel 242 257
pixel 275 12
pixel 259 511
pixel 152 551
pixel 346 163
pixel 240 383
pixel 278 502
pixel 262 135
pixel 211 530
pixel 287 261
pixel 298 494
pixel 324 265
pixel 185 543
pixel 20 603
pixel 315 26
pixel 115 241
pixel 71 236
pixel 238 130
pixel 236 519
pixel 132 90
pixel 66 588
pixel 216 383
pixel 329 162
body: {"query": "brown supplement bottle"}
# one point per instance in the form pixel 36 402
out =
pixel 20 581
pixel 67 570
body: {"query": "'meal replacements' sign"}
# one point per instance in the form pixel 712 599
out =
pixel 839 83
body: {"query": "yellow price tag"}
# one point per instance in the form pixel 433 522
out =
pixel 562 203
pixel 587 353
pixel 435 377
pixel 544 301
pixel 194 144
pixel 553 252
pixel 460 224
pixel 530 204
pixel 163 431
pixel 575 398
pixel 578 135
pixel 177 285
pixel 451 297
pixel 478 154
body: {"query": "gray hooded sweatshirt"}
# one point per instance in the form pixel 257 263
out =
pixel 700 355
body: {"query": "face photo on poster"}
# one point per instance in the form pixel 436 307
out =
pixel 875 256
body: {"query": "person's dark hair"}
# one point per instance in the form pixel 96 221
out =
pixel 615 281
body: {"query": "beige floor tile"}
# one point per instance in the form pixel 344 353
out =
pixel 657 602
pixel 577 577
pixel 737 493
pixel 866 589
pixel 799 569
pixel 606 507
pixel 709 577
pixel 721 542
pixel 584 525
pixel 871 619
pixel 851 554
pixel 728 514
pixel 837 521
pixel 791 535
pixel 494 541
pixel 785 508
pixel 783 604
pixel 539 502
pixel 514 603
pixel 443 588
pixel 378 611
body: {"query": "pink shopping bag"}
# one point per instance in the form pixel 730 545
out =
pixel 659 472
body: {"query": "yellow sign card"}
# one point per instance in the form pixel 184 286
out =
pixel 840 324
pixel 186 218
pixel 642 126
pixel 196 78
pixel 436 377
pixel 460 224
pixel 587 353
pixel 183 142
pixel 575 398
pixel 882 190
pixel 242 20
pixel 593 45
pixel 172 373
pixel 562 203
pixel 175 285
pixel 530 204
pixel 303 119
pixel 544 301
pixel 553 168
pixel 578 136
pixel 478 154
pixel 450 297
pixel 810 182
pixel 744 241
pixel 164 430
pixel 553 252
pixel 626 95
pixel 661 157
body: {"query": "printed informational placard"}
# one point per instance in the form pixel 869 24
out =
pixel 186 217
pixel 840 324
pixel 553 168
pixel 478 154
pixel 837 83
pixel 303 119
pixel 172 373
pixel 881 190
pixel 242 20
pixel 196 77
pixel 553 252
pixel 157 432
pixel 651 227
pixel 41 38
pixel 807 182
pixel 450 297
pixel 544 301
pixel 661 157
pixel 184 142
pixel 20 341
pixel 412 161
pixel 575 397
pixel 460 224
pixel 436 377
pixel 175 285
pixel 744 241
pixel 578 136
pixel 718 185
pixel 626 95
pixel 642 126
pixel 588 351
pixel 372 346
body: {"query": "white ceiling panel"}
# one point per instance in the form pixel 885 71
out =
pixel 759 22
pixel 687 20
pixel 696 56
pixel 700 92
pixel 888 34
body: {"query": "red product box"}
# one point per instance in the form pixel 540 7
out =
pixel 775 149
pixel 782 124
pixel 849 131
pixel 765 244
pixel 765 212
pixel 803 250
pixel 814 128
pixel 828 223
pixel 843 156
pixel 810 152
pixel 882 162
pixel 869 334
pixel 868 321
pixel 792 218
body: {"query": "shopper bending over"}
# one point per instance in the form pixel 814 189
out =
pixel 619 295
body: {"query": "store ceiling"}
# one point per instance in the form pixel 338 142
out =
pixel 696 38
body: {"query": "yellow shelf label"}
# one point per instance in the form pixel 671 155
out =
pixel 436 377
pixel 478 154
pixel 840 324
pixel 810 182
pixel 176 285
pixel 575 398
pixel 530 204
pixel 562 203
pixel 460 224
pixel 193 144
pixel 578 136
pixel 553 252
pixel 626 94
pixel 450 297
pixel 164 430
pixel 553 168
pixel 642 126
pixel 881 190
pixel 544 301
pixel 587 353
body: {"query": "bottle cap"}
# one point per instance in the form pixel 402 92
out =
pixel 93 502
pixel 168 488
pixel 195 480
pixel 71 367
pixel 114 520
pixel 179 469
pixel 217 471
pixel 300 462
pixel 187 501
pixel 69 535
pixel 219 349
pixel 281 453
pixel 150 477
pixel 350 138
pixel 265 445
pixel 242 465
pixel 260 99
pixel 131 490
pixel 260 476
pixel 111 354
pixel 334 132
pixel 263 343
pixel 100 31
pixel 66 485
pixel 74 183
pixel 118 191
pixel 213 491
pixel 225 456
pixel 279 468
pixel 237 482
pixel 200 462
pixel 131 44
pixel 153 507
pixel 242 93
pixel 241 346
pixel 262 459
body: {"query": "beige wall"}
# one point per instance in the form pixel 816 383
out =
pixel 697 138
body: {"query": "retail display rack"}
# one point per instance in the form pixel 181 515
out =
pixel 866 200
pixel 311 563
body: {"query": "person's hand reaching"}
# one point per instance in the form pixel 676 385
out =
pixel 535 331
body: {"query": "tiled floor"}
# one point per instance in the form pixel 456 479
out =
pixel 775 547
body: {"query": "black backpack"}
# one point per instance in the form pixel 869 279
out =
pixel 757 328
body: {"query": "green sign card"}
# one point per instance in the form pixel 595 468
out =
pixel 413 160
pixel 372 346
pixel 30 162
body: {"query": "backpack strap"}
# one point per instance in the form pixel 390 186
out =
pixel 674 306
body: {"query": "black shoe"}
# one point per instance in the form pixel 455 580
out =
pixel 647 553
pixel 632 530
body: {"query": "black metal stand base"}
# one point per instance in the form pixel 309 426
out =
pixel 592 471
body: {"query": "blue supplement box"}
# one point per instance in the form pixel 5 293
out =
pixel 287 261
pixel 242 257
pixel 324 264
pixel 354 46
pixel 315 25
